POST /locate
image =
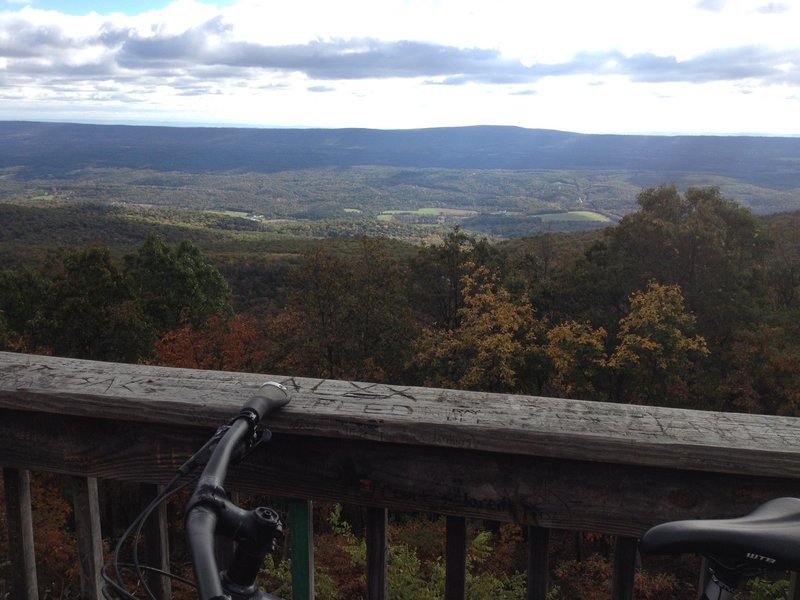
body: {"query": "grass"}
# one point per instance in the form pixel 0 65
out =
pixel 430 211
pixel 575 215
pixel 230 213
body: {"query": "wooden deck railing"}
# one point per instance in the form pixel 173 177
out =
pixel 546 463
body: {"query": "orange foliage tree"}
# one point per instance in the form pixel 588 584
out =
pixel 236 343
pixel 493 348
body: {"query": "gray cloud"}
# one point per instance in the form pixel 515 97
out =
pixel 718 65
pixel 22 39
pixel 209 52
pixel 334 59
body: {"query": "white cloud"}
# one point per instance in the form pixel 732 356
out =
pixel 621 65
pixel 712 5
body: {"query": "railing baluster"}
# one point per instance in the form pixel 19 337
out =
pixel 302 541
pixel 538 562
pixel 20 533
pixel 87 531
pixel 455 583
pixel 377 553
pixel 156 539
pixel 702 581
pixel 624 568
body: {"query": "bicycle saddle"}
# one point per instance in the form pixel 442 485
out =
pixel 768 537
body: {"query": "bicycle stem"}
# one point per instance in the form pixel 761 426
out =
pixel 210 512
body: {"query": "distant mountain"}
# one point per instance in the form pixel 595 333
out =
pixel 55 150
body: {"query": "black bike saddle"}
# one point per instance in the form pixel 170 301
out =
pixel 769 536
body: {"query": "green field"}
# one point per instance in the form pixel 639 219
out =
pixel 230 213
pixel 388 215
pixel 575 215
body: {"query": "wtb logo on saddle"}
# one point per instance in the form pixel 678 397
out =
pixel 766 559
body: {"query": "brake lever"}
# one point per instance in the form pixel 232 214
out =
pixel 258 437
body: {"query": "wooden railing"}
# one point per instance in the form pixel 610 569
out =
pixel 545 463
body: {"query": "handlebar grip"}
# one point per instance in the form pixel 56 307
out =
pixel 270 396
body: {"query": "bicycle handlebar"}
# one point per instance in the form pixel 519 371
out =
pixel 269 397
pixel 210 512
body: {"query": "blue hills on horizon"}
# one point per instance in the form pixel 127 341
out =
pixel 53 150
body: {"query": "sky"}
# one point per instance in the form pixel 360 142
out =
pixel 589 66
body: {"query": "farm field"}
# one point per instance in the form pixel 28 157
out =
pixel 576 215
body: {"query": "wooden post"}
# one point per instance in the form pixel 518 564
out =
pixel 455 583
pixel 624 568
pixel 703 580
pixel 301 532
pixel 156 542
pixel 538 562
pixel 87 530
pixel 20 534
pixel 794 588
pixel 377 553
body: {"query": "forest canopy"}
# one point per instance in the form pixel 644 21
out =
pixel 689 301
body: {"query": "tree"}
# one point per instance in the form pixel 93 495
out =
pixel 5 332
pixel 726 249
pixel 767 379
pixel 221 343
pixel 783 267
pixel 21 294
pixel 578 360
pixel 310 330
pixel 89 310
pixel 345 318
pixel 436 276
pixel 711 247
pixel 652 359
pixel 656 351
pixel 493 348
pixel 176 284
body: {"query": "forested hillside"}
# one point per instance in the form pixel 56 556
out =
pixel 497 181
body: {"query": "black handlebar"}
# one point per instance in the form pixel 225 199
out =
pixel 209 511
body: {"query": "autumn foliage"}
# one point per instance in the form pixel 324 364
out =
pixel 236 343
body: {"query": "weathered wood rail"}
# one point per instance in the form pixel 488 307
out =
pixel 546 463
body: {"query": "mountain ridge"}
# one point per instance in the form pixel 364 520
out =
pixel 39 149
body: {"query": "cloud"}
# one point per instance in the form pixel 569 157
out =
pixel 732 64
pixel 711 5
pixel 211 51
pixel 318 59
pixel 23 39
pixel 773 8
